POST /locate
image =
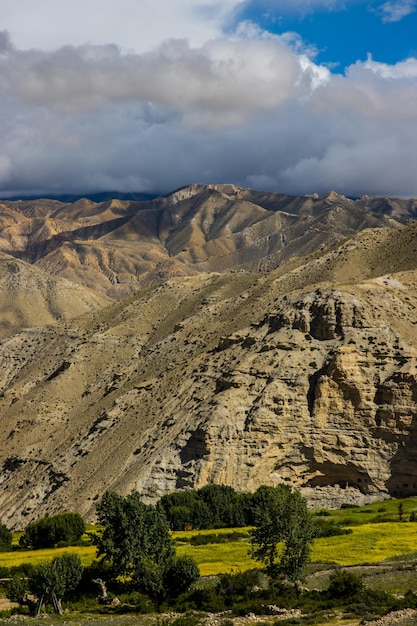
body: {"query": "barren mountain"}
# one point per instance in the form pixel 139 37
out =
pixel 116 247
pixel 29 297
pixel 305 373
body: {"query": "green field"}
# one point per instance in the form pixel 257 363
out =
pixel 368 543
pixel 377 535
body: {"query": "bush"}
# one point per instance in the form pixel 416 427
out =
pixel 240 586
pixel 62 529
pixel 17 590
pixel 204 539
pixel 138 601
pixel 344 584
pixel 180 573
pixel 207 600
pixel 6 537
pixel 328 528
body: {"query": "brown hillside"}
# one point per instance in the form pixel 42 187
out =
pixel 304 374
pixel 116 247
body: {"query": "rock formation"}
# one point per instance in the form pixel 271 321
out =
pixel 304 374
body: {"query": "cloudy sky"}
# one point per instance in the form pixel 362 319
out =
pixel 294 96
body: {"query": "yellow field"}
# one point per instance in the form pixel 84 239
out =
pixel 368 543
pixel 12 559
pixel 220 558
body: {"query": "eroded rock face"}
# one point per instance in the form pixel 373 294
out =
pixel 319 395
pixel 240 379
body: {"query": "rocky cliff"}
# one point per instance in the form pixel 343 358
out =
pixel 304 374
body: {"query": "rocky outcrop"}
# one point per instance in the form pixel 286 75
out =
pixel 305 375
pixel 318 395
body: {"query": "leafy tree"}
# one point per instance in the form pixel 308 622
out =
pixel 212 506
pixel 51 580
pixel 136 543
pixel 283 533
pixel 6 537
pixel 63 528
pixel 18 589
pixel 136 535
pixel 400 511
pixel 220 502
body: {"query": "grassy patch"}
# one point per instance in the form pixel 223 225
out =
pixel 368 543
pixel 385 511
pixel 220 558
pixel 87 555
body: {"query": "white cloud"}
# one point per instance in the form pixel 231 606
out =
pixel 223 76
pixel 131 24
pixel 374 90
pixel 396 10
pixel 250 108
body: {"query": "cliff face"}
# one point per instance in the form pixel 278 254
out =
pixel 319 394
pixel 305 374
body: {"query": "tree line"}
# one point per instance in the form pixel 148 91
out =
pixel 136 549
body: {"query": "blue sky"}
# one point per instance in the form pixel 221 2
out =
pixel 294 96
pixel 346 33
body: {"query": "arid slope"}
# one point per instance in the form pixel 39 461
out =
pixel 304 374
pixel 116 247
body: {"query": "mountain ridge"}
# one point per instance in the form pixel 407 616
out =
pixel 118 246
pixel 303 373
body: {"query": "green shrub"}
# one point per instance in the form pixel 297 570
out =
pixel 6 537
pixel 240 586
pixel 328 528
pixel 203 539
pixel 206 599
pixel 61 529
pixel 344 584
pixel 179 574
pixel 18 589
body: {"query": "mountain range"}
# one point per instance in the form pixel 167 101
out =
pixel 216 334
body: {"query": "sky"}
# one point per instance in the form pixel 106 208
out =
pixel 292 96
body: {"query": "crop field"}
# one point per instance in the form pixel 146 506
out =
pixel 377 535
pixel 87 554
pixel 368 543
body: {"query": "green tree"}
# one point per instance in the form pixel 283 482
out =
pixel 283 533
pixel 6 537
pixel 178 508
pixel 136 535
pixel 400 511
pixel 66 528
pixel 18 590
pixel 220 504
pixel 50 581
pixel 136 544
